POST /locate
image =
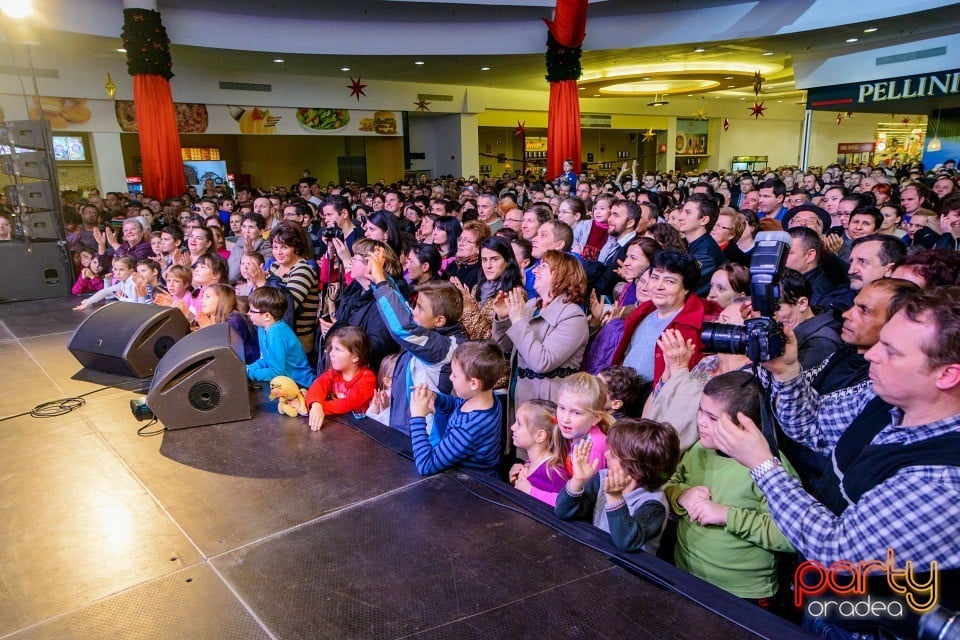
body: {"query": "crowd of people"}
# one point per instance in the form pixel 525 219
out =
pixel 549 333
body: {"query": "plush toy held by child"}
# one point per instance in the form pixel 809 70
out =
pixel 289 396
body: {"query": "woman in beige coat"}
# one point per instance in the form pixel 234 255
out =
pixel 547 335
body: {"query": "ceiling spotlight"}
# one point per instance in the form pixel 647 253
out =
pixel 852 39
pixel 16 9
pixel 870 30
pixel 278 59
pixel 596 95
pixel 580 88
pixel 344 68
pixel 731 86
pixel 728 78
pixel 121 50
pixel 768 53
pixel 699 50
pixel 657 102
pixel 645 78
pixel 419 62
pixel 484 68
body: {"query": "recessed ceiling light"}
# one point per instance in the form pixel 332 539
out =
pixel 645 78
pixel 344 68
pixel 731 86
pixel 484 68
pixel 852 39
pixel 121 50
pixel 419 62
pixel 729 78
pixel 278 59
pixel 580 88
pixel 768 53
pixel 716 97
pixel 699 50
pixel 870 30
pixel 743 98
pixel 779 100
pixel 596 95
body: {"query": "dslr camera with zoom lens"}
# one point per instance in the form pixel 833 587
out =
pixel 760 339
pixel 329 233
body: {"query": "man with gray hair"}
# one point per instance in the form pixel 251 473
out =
pixel 488 211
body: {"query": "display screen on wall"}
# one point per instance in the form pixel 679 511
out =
pixel 69 149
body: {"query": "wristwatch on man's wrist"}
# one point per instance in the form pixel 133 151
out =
pixel 764 468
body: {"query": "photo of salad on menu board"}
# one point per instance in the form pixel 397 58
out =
pixel 317 119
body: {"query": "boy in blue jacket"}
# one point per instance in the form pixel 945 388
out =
pixel 281 353
pixel 428 335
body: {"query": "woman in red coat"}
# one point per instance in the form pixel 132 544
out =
pixel 672 305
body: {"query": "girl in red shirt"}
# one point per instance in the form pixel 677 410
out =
pixel 348 385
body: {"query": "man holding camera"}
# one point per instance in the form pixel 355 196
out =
pixel 895 447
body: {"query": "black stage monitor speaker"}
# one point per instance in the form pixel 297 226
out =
pixel 202 380
pixel 127 338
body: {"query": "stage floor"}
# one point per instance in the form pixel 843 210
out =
pixel 264 529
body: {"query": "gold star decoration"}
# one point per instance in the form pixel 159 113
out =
pixel 422 105
pixel 726 124
pixel 356 89
pixel 839 118
pixel 757 82
pixel 649 135
pixel 757 110
pixel 521 129
pixel 905 121
pixel 701 114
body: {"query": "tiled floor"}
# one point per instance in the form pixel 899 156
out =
pixel 264 529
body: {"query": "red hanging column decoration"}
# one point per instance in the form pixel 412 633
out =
pixel 565 36
pixel 148 61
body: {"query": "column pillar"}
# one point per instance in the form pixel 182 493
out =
pixel 108 162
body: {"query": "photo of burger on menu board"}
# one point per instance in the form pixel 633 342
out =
pixel 382 122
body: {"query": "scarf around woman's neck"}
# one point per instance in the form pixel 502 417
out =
pixel 466 262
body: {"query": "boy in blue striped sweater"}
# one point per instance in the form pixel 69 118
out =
pixel 472 435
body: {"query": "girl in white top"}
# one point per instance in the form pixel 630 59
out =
pixel 122 286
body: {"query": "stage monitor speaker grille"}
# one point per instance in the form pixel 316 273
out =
pixel 127 339
pixel 202 381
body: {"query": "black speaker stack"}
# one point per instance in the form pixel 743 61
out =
pixel 35 264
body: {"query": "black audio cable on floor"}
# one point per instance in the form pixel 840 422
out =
pixel 55 408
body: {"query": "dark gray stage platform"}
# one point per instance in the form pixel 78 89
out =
pixel 264 529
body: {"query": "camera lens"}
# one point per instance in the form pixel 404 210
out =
pixel 723 338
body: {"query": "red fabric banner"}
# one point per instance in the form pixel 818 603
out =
pixel 563 127
pixel 163 175
pixel 568 27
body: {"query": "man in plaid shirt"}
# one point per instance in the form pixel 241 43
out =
pixel 912 508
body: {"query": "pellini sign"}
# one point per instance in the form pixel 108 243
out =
pixel 882 92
